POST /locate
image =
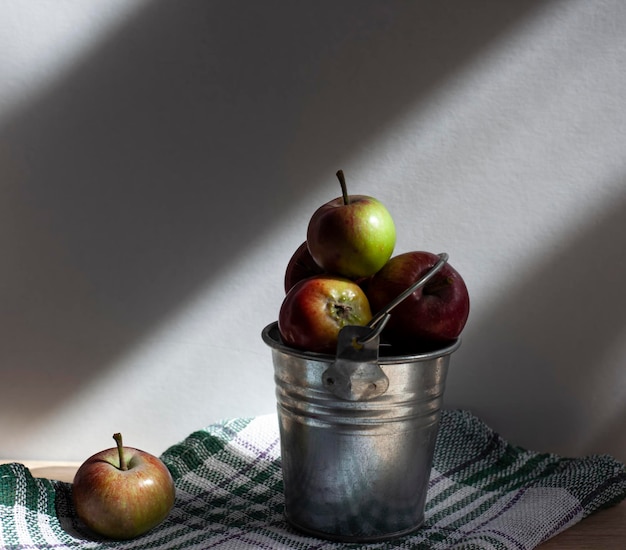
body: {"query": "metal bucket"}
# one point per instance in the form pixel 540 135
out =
pixel 357 469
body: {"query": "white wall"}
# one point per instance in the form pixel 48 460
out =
pixel 159 162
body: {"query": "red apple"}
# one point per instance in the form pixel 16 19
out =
pixel 435 313
pixel 122 492
pixel 352 235
pixel 300 266
pixel 317 308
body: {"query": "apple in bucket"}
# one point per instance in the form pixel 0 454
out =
pixel 300 266
pixel 317 308
pixel 433 314
pixel 352 235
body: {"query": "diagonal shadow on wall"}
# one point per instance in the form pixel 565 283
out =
pixel 553 340
pixel 160 158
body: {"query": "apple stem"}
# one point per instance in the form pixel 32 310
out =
pixel 344 188
pixel 120 451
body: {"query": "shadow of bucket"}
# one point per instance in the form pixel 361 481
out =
pixel 357 470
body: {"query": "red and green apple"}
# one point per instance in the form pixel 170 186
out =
pixel 317 308
pixel 352 235
pixel 123 492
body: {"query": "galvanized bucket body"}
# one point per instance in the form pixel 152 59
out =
pixel 357 471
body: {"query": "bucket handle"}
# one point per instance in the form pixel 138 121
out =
pixel 379 320
pixel 355 374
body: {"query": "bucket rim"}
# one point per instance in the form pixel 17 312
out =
pixel 271 337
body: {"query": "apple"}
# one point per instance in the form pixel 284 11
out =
pixel 300 266
pixel 122 492
pixel 317 308
pixel 352 235
pixel 435 313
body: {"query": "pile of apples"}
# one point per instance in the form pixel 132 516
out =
pixel 345 272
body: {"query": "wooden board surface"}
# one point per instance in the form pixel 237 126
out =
pixel 604 530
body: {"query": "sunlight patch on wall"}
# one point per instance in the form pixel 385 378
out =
pixel 59 35
pixel 512 140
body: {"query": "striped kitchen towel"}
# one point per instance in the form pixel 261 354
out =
pixel 484 493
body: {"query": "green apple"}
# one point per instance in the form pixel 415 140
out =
pixel 352 236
